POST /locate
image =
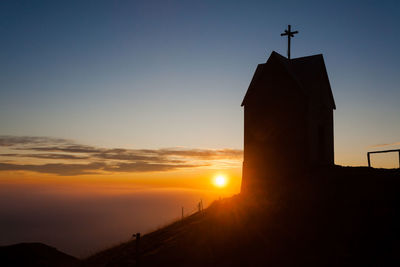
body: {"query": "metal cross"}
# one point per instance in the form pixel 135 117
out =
pixel 289 34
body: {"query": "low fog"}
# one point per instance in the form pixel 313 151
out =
pixel 82 223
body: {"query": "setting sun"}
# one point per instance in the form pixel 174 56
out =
pixel 220 181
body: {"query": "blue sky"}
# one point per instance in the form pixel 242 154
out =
pixel 152 74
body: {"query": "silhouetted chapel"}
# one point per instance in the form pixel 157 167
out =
pixel 288 119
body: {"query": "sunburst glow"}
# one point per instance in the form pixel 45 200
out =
pixel 220 181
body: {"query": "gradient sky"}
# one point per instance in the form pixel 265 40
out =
pixel 79 79
pixel 151 74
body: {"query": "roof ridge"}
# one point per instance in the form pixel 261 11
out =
pixel 316 55
pixel 285 62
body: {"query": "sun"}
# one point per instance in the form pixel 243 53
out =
pixel 220 181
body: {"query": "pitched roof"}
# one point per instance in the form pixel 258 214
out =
pixel 309 73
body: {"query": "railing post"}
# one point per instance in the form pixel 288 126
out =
pixel 369 160
pixel 399 158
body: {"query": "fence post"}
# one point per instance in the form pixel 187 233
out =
pixel 137 235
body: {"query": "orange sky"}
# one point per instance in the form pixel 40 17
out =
pixel 120 183
pixel 90 198
pixel 57 163
pixel 52 162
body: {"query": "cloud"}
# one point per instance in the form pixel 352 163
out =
pixel 67 148
pixel 8 140
pixel 204 153
pixel 45 156
pixel 147 167
pixel 162 154
pixel 128 155
pixel 388 144
pixel 97 159
pixel 55 168
pixel 63 169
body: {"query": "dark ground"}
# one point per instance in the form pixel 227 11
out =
pixel 339 216
pixel 34 254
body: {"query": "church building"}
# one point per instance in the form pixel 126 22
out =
pixel 288 119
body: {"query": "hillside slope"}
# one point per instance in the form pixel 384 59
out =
pixel 339 216
pixel 34 254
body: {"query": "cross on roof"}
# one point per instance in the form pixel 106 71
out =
pixel 289 34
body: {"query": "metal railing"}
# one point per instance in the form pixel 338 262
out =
pixel 382 151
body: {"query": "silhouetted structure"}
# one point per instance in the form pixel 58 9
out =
pixel 288 119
